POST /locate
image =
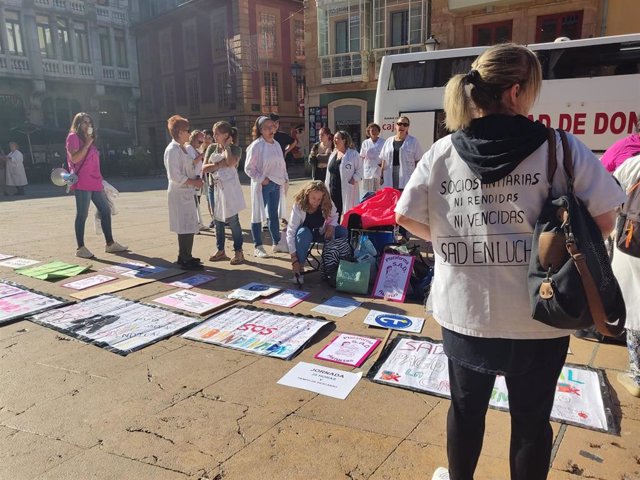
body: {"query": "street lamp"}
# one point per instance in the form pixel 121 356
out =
pixel 431 44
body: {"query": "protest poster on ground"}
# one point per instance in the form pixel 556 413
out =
pixel 348 349
pixel 88 282
pixel 17 262
pixel 254 330
pixel 193 302
pixel 118 325
pixel 323 380
pixel 393 277
pixel 192 281
pixel 144 272
pixel 110 287
pixel 53 270
pixel 418 363
pixel 4 256
pixel 17 301
pixel 252 291
pixel 288 298
pixel 394 321
pixel 337 306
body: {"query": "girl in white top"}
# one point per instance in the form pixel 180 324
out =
pixel 194 149
pixel 399 155
pixel 627 271
pixel 476 194
pixel 266 167
pixel 344 171
pixel 370 155
pixel 222 163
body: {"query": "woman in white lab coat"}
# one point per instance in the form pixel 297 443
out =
pixel 344 172
pixel 222 163
pixel 16 176
pixel 370 155
pixel 265 166
pixel 400 155
pixel 183 182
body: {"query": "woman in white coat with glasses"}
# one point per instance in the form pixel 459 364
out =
pixel 400 155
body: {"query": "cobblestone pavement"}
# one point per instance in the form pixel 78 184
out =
pixel 180 409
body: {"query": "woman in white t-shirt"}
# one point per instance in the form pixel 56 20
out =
pixel 370 155
pixel 476 194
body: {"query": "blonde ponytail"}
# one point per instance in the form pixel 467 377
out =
pixel 457 104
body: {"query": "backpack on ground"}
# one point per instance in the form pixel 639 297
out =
pixel 628 223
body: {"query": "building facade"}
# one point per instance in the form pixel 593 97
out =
pixel 353 35
pixel 60 57
pixel 211 60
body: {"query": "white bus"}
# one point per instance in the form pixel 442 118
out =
pixel 591 88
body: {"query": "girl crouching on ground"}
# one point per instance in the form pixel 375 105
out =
pixel 314 218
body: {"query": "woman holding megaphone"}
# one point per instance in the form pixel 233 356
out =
pixel 83 159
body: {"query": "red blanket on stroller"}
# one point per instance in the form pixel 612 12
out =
pixel 376 211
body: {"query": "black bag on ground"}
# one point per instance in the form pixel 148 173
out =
pixel 571 283
pixel 332 253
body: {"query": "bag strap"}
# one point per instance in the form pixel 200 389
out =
pixel 594 300
pixel 552 161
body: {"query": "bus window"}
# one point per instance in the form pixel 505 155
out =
pixel 427 73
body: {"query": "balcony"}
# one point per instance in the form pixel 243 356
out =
pixel 112 16
pixel 469 4
pixel 343 68
pixel 14 65
pixel 117 75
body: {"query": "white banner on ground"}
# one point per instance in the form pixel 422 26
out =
pixel 323 380
pixel 18 302
pixel 193 302
pixel 263 332
pixel 420 364
pixel 114 323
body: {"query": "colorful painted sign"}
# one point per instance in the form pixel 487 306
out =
pixel 116 324
pixel 419 364
pixel 394 321
pixel 263 332
pixel 348 349
pixel 393 278
pixel 193 302
pixel 17 302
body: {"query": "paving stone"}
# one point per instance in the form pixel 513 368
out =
pixel 300 448
pixel 95 464
pixel 193 436
pixel 26 455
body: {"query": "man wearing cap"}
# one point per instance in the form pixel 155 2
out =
pixel 286 141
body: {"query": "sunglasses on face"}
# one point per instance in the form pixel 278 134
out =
pixel 402 124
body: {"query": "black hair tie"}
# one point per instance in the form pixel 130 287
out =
pixel 472 77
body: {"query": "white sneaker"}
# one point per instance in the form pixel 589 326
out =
pixel 280 248
pixel 628 382
pixel 298 279
pixel 84 252
pixel 115 247
pixel 260 252
pixel 441 473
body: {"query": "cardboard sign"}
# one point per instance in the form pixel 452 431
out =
pixel 16 262
pixel 113 323
pixel 394 321
pixel 17 302
pixel 88 282
pixel 337 306
pixel 393 277
pixel 288 298
pixel 252 291
pixel 263 332
pixel 193 302
pixel 348 349
pixel 323 380
pixel 192 281
pixel 419 364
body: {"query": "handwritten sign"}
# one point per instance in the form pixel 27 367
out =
pixel 393 277
pixel 420 364
pixel 348 349
pixel 88 282
pixel 193 302
pixel 18 302
pixel 262 332
pixel 252 291
pixel 288 298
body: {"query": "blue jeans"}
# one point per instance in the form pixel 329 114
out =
pixel 99 199
pixel 236 233
pixel 210 196
pixel 305 237
pixel 271 198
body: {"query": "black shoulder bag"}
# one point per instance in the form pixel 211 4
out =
pixel 571 284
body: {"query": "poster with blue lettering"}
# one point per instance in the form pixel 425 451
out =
pixel 254 330
pixel 419 364
pixel 393 277
pixel 394 321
